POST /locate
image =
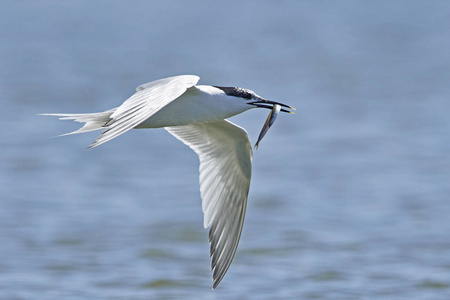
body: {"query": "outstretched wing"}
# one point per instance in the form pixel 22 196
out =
pixel 148 99
pixel 225 170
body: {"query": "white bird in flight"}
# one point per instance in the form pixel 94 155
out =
pixel 195 114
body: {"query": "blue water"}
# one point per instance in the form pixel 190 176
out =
pixel 349 196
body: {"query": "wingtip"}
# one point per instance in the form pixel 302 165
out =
pixel 215 284
pixel 93 145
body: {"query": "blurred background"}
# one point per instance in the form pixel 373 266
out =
pixel 349 196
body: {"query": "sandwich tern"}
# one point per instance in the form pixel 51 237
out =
pixel 196 115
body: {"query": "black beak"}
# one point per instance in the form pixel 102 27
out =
pixel 269 105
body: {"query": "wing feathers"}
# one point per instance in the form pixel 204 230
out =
pixel 148 100
pixel 225 170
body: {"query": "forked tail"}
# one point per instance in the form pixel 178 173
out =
pixel 93 121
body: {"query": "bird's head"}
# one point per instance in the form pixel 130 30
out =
pixel 255 100
pixel 252 98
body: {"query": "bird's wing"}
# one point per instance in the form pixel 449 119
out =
pixel 148 99
pixel 225 169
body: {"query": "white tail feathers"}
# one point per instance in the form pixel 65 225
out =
pixel 93 121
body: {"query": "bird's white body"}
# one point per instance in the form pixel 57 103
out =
pixel 195 114
pixel 206 104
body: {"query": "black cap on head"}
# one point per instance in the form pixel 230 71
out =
pixel 237 92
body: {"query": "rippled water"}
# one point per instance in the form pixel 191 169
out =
pixel 349 197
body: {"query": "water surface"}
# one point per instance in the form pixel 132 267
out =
pixel 349 197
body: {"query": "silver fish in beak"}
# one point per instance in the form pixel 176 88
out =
pixel 275 107
pixel 270 120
